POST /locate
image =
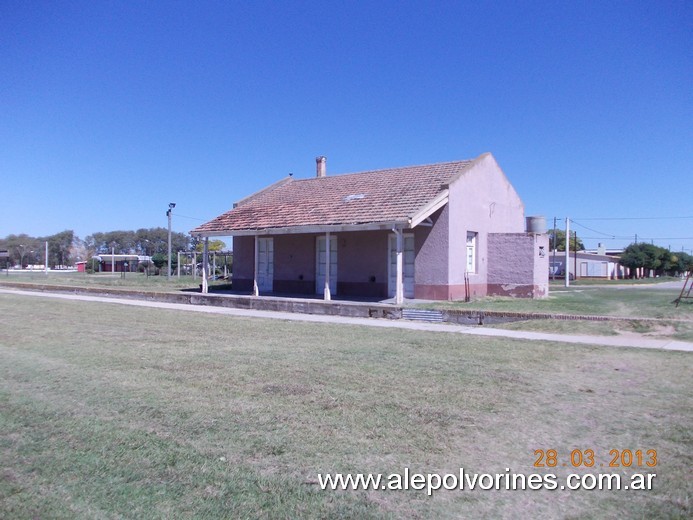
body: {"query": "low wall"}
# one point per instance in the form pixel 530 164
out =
pixel 297 305
pixel 306 306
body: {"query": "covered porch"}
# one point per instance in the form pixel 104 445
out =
pixel 372 263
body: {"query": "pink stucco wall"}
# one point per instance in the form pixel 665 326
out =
pixel 243 263
pixel 483 201
pixel 431 264
pixel 362 263
pixel 294 264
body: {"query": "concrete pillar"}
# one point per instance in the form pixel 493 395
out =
pixel 205 259
pixel 256 291
pixel 328 295
pixel 399 284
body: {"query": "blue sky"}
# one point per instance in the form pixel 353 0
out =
pixel 111 110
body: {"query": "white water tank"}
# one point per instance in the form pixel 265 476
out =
pixel 536 225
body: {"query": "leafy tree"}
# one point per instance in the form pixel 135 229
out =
pixel 64 248
pixel 143 241
pixel 221 261
pixel 23 249
pixel 159 260
pixel 632 258
pixel 214 245
pixel 678 263
pixel 79 251
pixel 559 238
pixel 652 258
pixel 59 246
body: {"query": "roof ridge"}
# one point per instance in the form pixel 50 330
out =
pixel 390 195
pixel 461 161
pixel 264 190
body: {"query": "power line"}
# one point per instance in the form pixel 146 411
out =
pixel 630 237
pixel 615 237
pixel 192 218
pixel 633 218
pixel 638 237
pixel 608 235
pixel 665 238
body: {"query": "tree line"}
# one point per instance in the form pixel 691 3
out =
pixel 65 248
pixel 657 259
pixel 147 242
pixel 27 250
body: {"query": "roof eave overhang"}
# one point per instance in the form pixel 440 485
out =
pixel 429 209
pixel 294 230
pixel 406 223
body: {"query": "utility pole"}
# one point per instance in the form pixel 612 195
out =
pixel 575 254
pixel 171 205
pixel 567 252
pixel 553 269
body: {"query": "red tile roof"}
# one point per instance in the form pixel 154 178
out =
pixel 380 196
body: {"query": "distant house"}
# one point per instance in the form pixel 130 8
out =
pixel 119 263
pixel 442 231
pixel 587 265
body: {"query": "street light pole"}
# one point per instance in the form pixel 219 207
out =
pixel 171 205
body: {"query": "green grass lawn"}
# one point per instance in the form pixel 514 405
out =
pixel 617 300
pixel 110 411
pixel 679 330
pixel 135 281
pixel 131 281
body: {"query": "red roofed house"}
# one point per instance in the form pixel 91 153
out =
pixel 442 231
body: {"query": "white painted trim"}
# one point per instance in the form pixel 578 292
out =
pixel 416 219
pixel 429 209
pixel 268 275
pixel 389 264
pixel 399 285
pixel 292 230
pixel 205 261
pixel 328 248
pixel 331 278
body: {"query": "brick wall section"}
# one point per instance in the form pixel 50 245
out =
pixel 516 265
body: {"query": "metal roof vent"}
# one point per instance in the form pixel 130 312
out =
pixel 349 198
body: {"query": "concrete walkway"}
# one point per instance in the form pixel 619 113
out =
pixel 611 341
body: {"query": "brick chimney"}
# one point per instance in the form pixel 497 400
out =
pixel 321 166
